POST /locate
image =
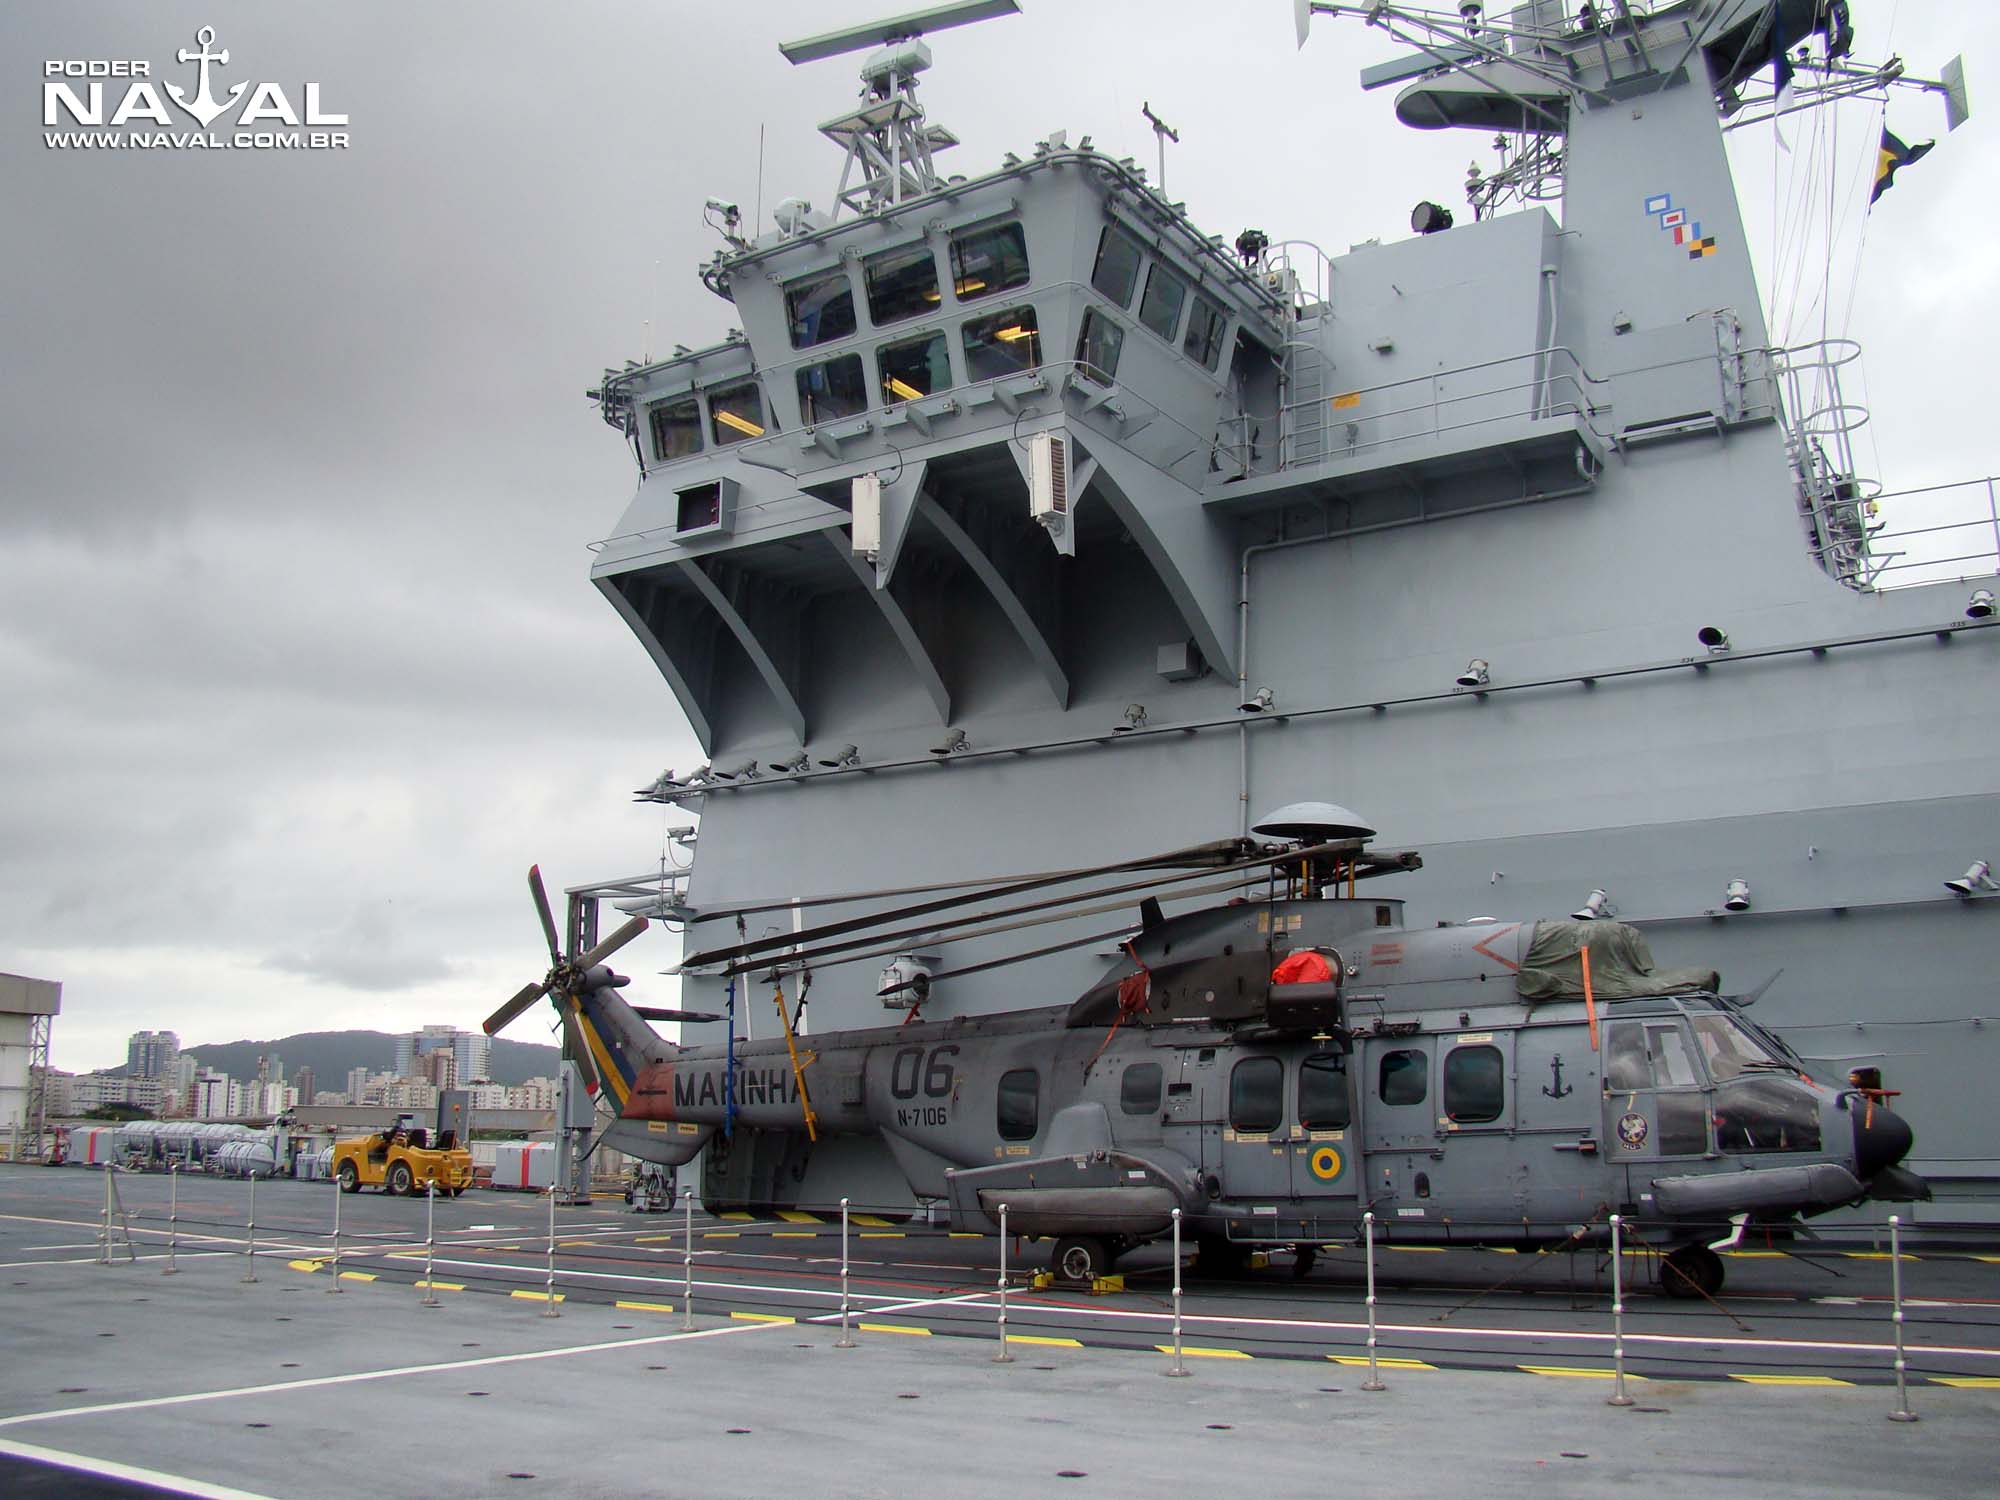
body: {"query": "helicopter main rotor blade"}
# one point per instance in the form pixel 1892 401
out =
pixel 673 1013
pixel 526 997
pixel 578 1052
pixel 542 910
pixel 611 944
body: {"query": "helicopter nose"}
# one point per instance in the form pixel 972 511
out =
pixel 1881 1138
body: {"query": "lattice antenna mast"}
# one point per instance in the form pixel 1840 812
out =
pixel 888 143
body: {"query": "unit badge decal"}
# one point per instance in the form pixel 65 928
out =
pixel 1632 1129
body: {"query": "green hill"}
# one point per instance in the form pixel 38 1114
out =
pixel 330 1054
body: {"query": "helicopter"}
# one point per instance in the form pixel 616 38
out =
pixel 1275 1067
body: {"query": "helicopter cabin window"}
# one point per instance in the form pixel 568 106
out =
pixel 1404 1077
pixel 1475 1089
pixel 1002 344
pixel 676 429
pixel 1139 1089
pixel 1256 1094
pixel 821 309
pixel 1098 346
pixel 1667 1053
pixel 901 284
pixel 1204 332
pixel 1019 1108
pixel 1323 1101
pixel 1117 268
pixel 913 368
pixel 985 261
pixel 736 412
pixel 838 388
pixel 1160 309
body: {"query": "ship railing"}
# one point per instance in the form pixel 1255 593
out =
pixel 1939 533
pixel 1540 384
pixel 1838 507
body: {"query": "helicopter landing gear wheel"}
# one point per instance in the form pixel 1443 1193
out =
pixel 1691 1271
pixel 1304 1258
pixel 1080 1259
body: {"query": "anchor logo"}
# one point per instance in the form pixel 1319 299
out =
pixel 1556 1088
pixel 205 106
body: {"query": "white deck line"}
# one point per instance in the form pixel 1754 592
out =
pixel 106 1469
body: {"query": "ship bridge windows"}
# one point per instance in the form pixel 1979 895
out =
pixel 1206 324
pixel 1160 308
pixel 1098 346
pixel 986 261
pixel 837 388
pixel 1002 344
pixel 1117 270
pixel 676 428
pixel 736 413
pixel 820 309
pixel 913 367
pixel 901 284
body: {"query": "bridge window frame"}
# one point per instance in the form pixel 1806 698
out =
pixel 845 389
pixel 989 260
pixel 731 419
pixel 902 283
pixel 684 413
pixel 1206 325
pixel 894 364
pixel 1172 300
pixel 1099 344
pixel 990 355
pixel 1115 272
pixel 813 319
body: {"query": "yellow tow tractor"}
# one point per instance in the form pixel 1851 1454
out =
pixel 403 1160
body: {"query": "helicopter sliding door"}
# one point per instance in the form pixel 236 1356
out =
pixel 1255 1152
pixel 1656 1099
pixel 1326 1169
pixel 1399 1129
pixel 1480 1172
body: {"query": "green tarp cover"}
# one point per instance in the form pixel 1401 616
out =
pixel 1621 965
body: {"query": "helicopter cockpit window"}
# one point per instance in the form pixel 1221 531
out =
pixel 1625 1058
pixel 1323 1103
pixel 986 261
pixel 676 429
pixel 821 309
pixel 837 388
pixel 1256 1094
pixel 1667 1050
pixel 1730 1049
pixel 1002 344
pixel 1763 1112
pixel 1475 1088
pixel 1404 1077
pixel 1019 1109
pixel 901 284
pixel 1117 270
pixel 1139 1089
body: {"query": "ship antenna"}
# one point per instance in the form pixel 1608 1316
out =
pixel 1162 132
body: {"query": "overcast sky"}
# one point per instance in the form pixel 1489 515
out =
pixel 300 666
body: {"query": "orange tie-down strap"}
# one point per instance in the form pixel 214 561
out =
pixel 1134 993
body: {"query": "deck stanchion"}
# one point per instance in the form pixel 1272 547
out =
pixel 1003 1357
pixel 549 1308
pixel 687 1262
pixel 250 1244
pixel 336 1233
pixel 430 1246
pixel 1902 1413
pixel 173 1216
pixel 1374 1380
pixel 104 1230
pixel 1179 1366
pixel 846 1339
pixel 1617 1396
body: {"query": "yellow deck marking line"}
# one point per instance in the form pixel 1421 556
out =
pixel 447 1286
pixel 1789 1380
pixel 1991 1260
pixel 1873 1255
pixel 655 1239
pixel 305 1265
pixel 871 1221
pixel 1967 1382
pixel 1573 1372
pixel 1047 1343
pixel 575 1244
pixel 762 1317
pixel 645 1306
pixel 357 1275
pixel 794 1234
pixel 966 1234
pixel 1766 1255
pixel 535 1296
pixel 892 1234
pixel 1194 1351
pixel 798 1216
pixel 737 1216
pixel 317 1382
pixel 1387 1364
pixel 1416 1249
pixel 104 1468
pixel 922 1333
pixel 1501 1250
pixel 720 1234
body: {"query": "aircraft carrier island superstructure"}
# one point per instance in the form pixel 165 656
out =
pixel 1028 526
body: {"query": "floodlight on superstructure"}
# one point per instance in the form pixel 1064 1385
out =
pixel 1478 672
pixel 1714 639
pixel 1737 897
pixel 955 743
pixel 1978 877
pixel 1596 904
pixel 844 759
pixel 798 765
pixel 1980 605
pixel 1258 702
pixel 1135 718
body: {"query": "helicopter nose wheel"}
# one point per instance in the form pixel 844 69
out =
pixel 1081 1259
pixel 1691 1271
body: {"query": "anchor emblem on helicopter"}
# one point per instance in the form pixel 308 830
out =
pixel 1555 1088
pixel 205 106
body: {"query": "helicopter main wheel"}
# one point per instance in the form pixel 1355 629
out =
pixel 401 1184
pixel 1691 1271
pixel 1080 1259
pixel 350 1178
pixel 1304 1257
